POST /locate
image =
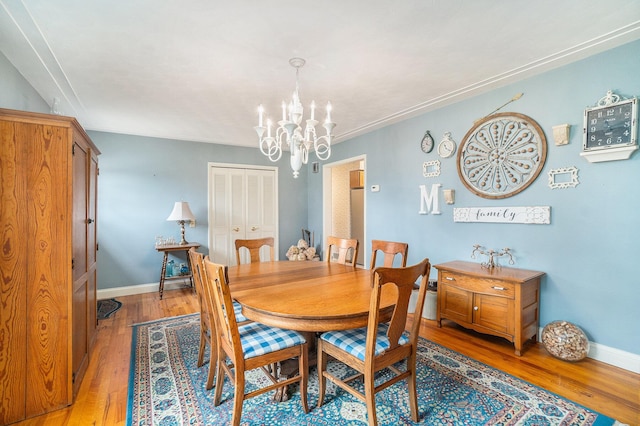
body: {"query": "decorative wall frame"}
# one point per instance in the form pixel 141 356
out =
pixel 501 155
pixel 538 215
pixel 565 177
pixel 431 168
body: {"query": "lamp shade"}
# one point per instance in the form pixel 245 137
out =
pixel 181 211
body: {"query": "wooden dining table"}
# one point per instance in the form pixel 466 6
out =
pixel 306 296
pixel 311 296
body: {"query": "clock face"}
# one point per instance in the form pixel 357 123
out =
pixel 447 147
pixel 610 126
pixel 426 143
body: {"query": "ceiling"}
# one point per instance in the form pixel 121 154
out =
pixel 198 69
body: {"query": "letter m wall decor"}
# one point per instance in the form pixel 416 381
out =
pixel 430 201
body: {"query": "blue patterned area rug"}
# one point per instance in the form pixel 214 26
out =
pixel 167 388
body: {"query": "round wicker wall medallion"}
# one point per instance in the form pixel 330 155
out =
pixel 501 155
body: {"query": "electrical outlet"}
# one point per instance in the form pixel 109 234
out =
pixel 192 224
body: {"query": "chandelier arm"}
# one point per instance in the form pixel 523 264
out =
pixel 322 146
pixel 273 148
pixel 281 135
pixel 304 147
pixel 261 143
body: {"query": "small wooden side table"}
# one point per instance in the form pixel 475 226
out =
pixel 166 250
pixel 501 301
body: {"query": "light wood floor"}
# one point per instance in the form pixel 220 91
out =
pixel 102 399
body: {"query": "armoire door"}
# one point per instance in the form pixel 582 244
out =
pixel 243 204
pixel 80 339
pixel 92 249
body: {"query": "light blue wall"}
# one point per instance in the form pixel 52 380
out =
pixel 590 249
pixel 16 92
pixel 140 180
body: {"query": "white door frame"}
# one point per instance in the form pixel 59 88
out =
pixel 327 204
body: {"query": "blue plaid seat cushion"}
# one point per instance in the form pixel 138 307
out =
pixel 237 309
pixel 353 341
pixel 259 339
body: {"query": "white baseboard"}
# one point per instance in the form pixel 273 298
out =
pixel 614 356
pixel 109 293
pixel 606 354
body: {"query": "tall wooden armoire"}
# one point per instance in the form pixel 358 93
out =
pixel 48 188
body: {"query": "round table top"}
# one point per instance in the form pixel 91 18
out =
pixel 305 295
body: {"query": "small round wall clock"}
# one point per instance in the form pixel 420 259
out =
pixel 426 144
pixel 610 129
pixel 447 146
pixel 501 155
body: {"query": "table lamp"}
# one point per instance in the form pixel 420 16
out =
pixel 181 213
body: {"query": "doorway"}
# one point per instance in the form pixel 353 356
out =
pixel 343 216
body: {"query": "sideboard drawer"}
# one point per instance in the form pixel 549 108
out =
pixel 479 285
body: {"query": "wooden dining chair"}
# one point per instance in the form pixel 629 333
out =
pixel 253 345
pixel 342 250
pixel 254 246
pixel 207 321
pixel 379 345
pixel 207 317
pixel 390 249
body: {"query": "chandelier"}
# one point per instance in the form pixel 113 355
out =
pixel 290 131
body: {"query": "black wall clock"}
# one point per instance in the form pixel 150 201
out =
pixel 501 155
pixel 610 129
pixel 426 144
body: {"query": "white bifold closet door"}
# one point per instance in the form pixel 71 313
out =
pixel 243 204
